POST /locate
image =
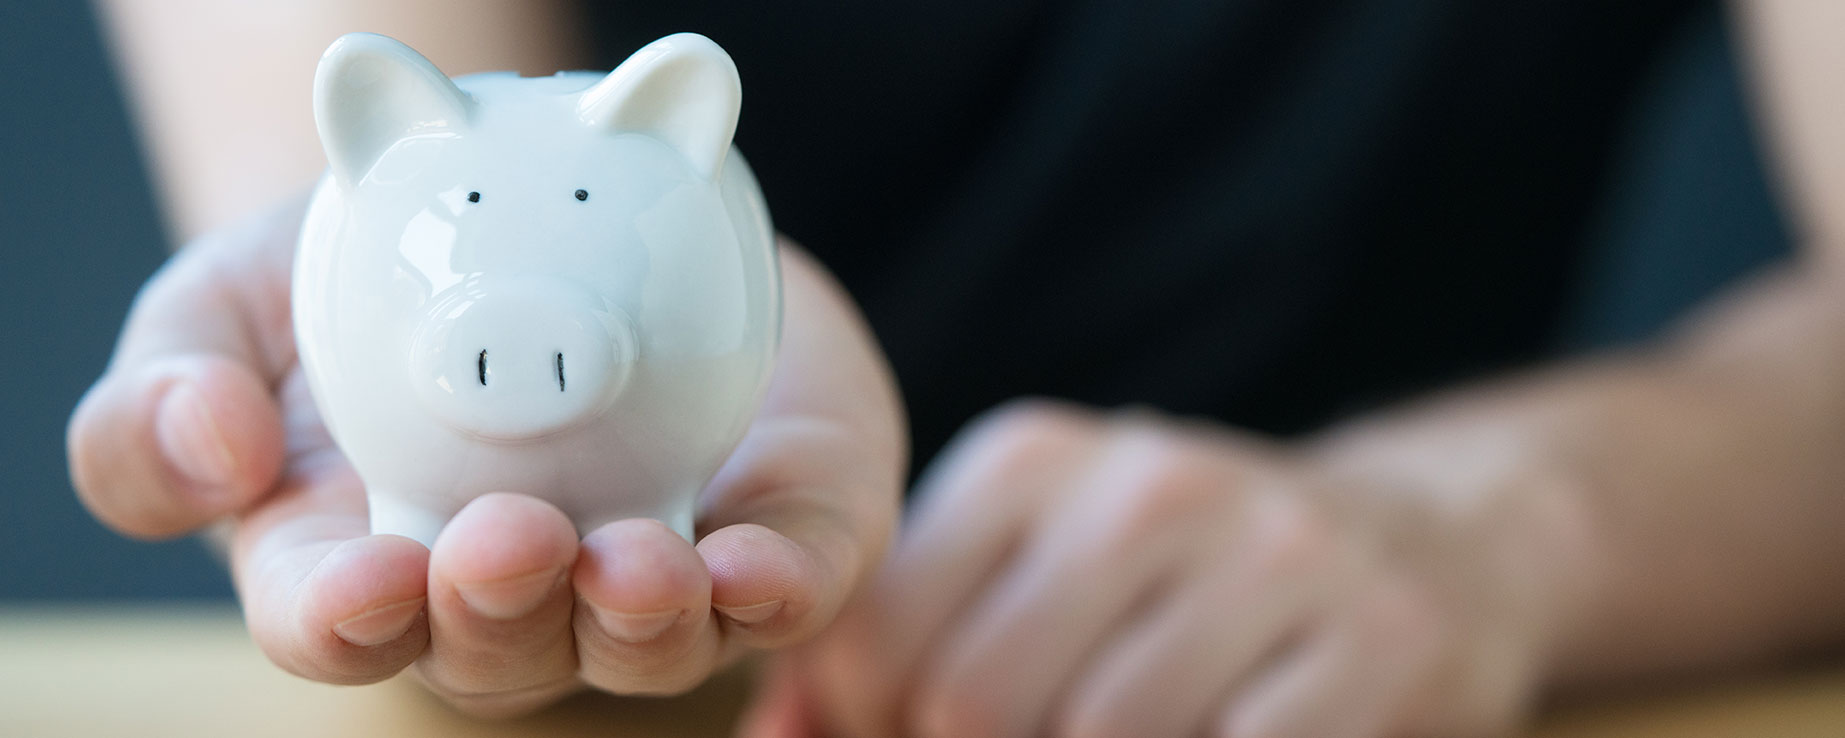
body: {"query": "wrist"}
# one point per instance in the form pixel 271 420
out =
pixel 1485 505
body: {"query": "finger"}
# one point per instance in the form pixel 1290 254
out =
pixel 178 443
pixel 795 531
pixel 1086 566
pixel 643 624
pixel 781 707
pixel 767 589
pixel 182 428
pixel 974 505
pixel 1230 613
pixel 1349 681
pixel 813 489
pixel 323 599
pixel 500 607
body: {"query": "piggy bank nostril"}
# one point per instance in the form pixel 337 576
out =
pixel 542 354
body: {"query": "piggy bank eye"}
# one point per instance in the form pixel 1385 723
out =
pixel 474 197
pixel 582 195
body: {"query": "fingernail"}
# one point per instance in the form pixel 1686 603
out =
pixel 750 614
pixel 380 625
pixel 510 598
pixel 636 627
pixel 190 439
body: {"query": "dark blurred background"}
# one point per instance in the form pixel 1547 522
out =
pixel 1688 212
pixel 80 234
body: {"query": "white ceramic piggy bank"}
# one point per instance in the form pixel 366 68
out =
pixel 563 286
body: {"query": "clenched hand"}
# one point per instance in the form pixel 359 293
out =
pixel 1071 573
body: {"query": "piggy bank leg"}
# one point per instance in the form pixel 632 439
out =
pixel 679 516
pixel 393 515
pixel 677 512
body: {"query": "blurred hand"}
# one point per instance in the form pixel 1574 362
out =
pixel 1075 574
pixel 203 415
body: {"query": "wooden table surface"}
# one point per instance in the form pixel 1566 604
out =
pixel 191 671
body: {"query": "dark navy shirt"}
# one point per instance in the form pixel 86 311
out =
pixel 1268 213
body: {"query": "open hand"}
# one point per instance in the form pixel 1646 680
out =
pixel 203 415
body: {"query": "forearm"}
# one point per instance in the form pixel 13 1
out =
pixel 1691 509
pixel 222 89
pixel 1714 472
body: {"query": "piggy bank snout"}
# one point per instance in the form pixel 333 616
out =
pixel 519 358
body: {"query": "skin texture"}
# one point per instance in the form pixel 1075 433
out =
pixel 1422 571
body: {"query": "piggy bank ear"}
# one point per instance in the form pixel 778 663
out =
pixel 681 89
pixel 371 92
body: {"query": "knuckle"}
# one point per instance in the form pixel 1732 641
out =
pixel 1014 441
pixel 1025 425
pixel 1034 414
pixel 1162 489
pixel 1402 615
pixel 1293 538
pixel 1023 437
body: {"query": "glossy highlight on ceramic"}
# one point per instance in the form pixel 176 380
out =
pixel 562 286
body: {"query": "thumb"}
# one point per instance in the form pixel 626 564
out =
pixel 183 427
